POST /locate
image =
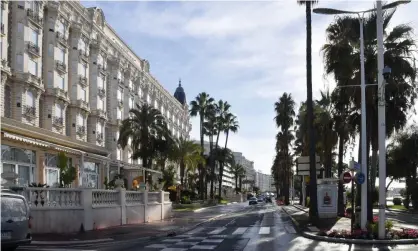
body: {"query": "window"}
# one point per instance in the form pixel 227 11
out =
pixel 131 103
pixel 50 50
pixel 162 109
pixel 33 67
pixel 117 135
pixel 19 62
pixel 130 84
pixel 60 27
pixel 118 113
pixel 168 114
pixel 119 75
pixel 7 101
pixel 30 99
pixel 100 83
pixel 80 119
pixel 130 157
pixel 120 91
pixel 33 5
pixel 50 79
pixel 83 94
pixel 61 82
pixel 100 60
pixel 83 70
pixel 139 92
pixel 82 45
pixel 61 55
pixel 90 175
pixel 34 37
pixel 156 103
pixel 100 103
pixel 20 28
pixel 118 154
pixel 99 128
pixel 148 99
pixel 58 111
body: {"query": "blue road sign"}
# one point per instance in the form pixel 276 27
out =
pixel 357 166
pixel 360 178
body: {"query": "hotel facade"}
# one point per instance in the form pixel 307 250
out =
pixel 67 83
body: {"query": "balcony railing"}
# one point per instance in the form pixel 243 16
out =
pixel 82 80
pixel 83 104
pixel 101 68
pixel 120 103
pixel 61 38
pixel 34 49
pixel 35 17
pixel 60 66
pixel 81 130
pixel 29 111
pixel 60 93
pixel 100 137
pixel 2 29
pixel 84 55
pixel 100 113
pixel 58 121
pixel 101 92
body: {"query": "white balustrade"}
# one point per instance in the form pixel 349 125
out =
pixel 38 197
pixel 103 197
pixel 133 197
pixel 166 197
pixel 154 197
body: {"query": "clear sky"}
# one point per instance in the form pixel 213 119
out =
pixel 245 52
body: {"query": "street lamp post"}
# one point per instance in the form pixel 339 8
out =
pixel 360 14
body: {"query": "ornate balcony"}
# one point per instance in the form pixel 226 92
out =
pixel 81 104
pixel 100 113
pixel 34 50
pixel 35 18
pixel 81 130
pixel 4 67
pixel 60 66
pixel 58 122
pixel 102 68
pixel 2 30
pixel 59 93
pixel 30 79
pixel 61 39
pixel 120 103
pixel 84 55
pixel 82 80
pixel 29 111
pixel 99 138
pixel 101 92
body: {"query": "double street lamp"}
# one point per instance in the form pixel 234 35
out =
pixel 381 113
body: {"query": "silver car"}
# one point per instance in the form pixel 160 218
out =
pixel 15 221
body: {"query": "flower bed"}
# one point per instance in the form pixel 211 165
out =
pixel 367 235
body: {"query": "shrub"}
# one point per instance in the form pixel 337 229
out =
pixel 406 203
pixel 186 200
pixel 397 201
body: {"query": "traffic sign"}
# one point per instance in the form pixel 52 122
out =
pixel 346 177
pixel 360 178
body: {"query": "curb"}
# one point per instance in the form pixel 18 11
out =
pixel 348 241
pixel 178 231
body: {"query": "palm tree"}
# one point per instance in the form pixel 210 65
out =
pixel 168 177
pixel 187 154
pixel 224 157
pixel 238 171
pixel 285 114
pixel 211 129
pixel 222 111
pixel 230 125
pixel 199 107
pixel 146 130
pixel 313 212
pixel 341 56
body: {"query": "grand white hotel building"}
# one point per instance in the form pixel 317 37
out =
pixel 67 82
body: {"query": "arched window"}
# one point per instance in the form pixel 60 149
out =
pixel 7 101
pixel 30 99
pixel 58 110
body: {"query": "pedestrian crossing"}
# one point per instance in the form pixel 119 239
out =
pixel 210 238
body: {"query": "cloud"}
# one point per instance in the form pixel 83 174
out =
pixel 248 53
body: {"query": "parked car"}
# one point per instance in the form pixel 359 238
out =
pixel 260 199
pixel 15 221
pixel 252 201
pixel 268 199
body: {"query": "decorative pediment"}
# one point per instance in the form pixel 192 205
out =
pixel 97 16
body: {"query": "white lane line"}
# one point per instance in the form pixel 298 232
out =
pixel 61 249
pixel 174 249
pixel 195 231
pixel 218 230
pixel 157 246
pixel 207 247
pixel 264 230
pixel 212 240
pixel 186 243
pixel 197 238
pixel 171 240
pixel 240 230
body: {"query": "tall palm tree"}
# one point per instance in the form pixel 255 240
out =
pixel 238 171
pixel 187 154
pixel 146 129
pixel 199 107
pixel 222 111
pixel 211 127
pixel 341 56
pixel 285 115
pixel 313 212
pixel 224 157
pixel 230 125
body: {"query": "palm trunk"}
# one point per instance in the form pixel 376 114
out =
pixel 226 140
pixel 201 173
pixel 313 186
pixel 221 171
pixel 340 171
pixel 182 167
pixel 212 167
pixel 236 184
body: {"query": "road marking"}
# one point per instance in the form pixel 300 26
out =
pixel 218 230
pixel 197 238
pixel 170 240
pixel 182 243
pixel 59 249
pixel 195 231
pixel 203 247
pixel 213 240
pixel 174 249
pixel 264 230
pixel 240 230
pixel 157 246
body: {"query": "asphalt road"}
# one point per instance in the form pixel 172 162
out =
pixel 242 228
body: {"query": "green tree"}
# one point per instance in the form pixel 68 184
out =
pixel 224 157
pixel 67 173
pixel 238 171
pixel 187 154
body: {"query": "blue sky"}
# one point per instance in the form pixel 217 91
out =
pixel 247 53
